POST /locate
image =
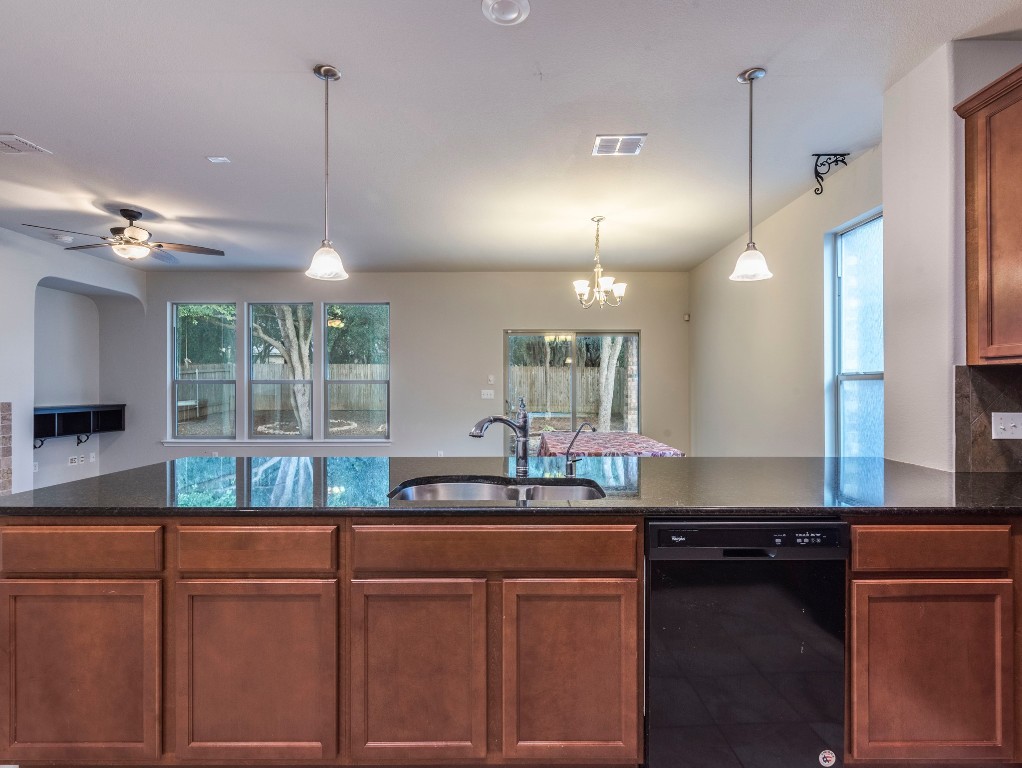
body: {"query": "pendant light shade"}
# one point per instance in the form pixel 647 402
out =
pixel 326 262
pixel 751 264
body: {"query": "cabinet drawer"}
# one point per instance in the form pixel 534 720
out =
pixel 269 549
pixel 931 547
pixel 81 549
pixel 504 548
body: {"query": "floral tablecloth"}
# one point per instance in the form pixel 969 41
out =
pixel 604 444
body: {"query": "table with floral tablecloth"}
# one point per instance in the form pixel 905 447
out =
pixel 604 444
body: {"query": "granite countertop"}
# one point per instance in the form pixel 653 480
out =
pixel 692 487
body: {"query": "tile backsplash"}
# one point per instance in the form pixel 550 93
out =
pixel 5 449
pixel 979 392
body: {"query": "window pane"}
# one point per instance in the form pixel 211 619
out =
pixel 539 369
pixel 282 410
pixel 204 409
pixel 204 341
pixel 205 481
pixel 357 409
pixel 282 481
pixel 862 298
pixel 357 481
pixel 861 404
pixel 281 342
pixel 608 382
pixel 358 341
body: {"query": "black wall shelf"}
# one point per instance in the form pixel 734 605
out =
pixel 81 421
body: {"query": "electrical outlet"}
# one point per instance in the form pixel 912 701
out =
pixel 439 453
pixel 491 379
pixel 486 394
pixel 81 459
pixel 72 461
pixel 35 466
pixel 1006 426
pixel 92 457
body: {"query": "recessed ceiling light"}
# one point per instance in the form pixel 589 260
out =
pixel 620 144
pixel 506 12
pixel 220 159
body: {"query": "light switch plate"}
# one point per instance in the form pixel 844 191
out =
pixel 486 394
pixel 1006 426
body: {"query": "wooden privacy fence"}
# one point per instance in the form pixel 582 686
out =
pixel 349 396
pixel 550 389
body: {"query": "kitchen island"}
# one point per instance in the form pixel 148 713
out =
pixel 284 610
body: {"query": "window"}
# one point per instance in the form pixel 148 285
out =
pixel 357 371
pixel 280 385
pixel 859 349
pixel 203 402
pixel 568 377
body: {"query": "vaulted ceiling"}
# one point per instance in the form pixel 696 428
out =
pixel 457 144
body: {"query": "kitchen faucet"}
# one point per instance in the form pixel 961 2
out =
pixel 569 462
pixel 520 426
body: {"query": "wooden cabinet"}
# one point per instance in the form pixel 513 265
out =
pixel 418 669
pixel 256 669
pixel 993 227
pixel 560 677
pixel 569 649
pixel 931 657
pixel 81 673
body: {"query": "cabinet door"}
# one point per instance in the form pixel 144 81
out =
pixel 418 669
pixel 256 669
pixel 81 671
pixel 571 669
pixel 931 669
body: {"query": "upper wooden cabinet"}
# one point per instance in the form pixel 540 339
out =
pixel 993 223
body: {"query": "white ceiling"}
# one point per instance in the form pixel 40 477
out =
pixel 457 144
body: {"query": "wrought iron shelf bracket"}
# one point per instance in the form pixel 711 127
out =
pixel 825 163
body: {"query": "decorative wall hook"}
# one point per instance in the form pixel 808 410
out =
pixel 825 162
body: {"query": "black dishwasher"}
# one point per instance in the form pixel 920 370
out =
pixel 745 644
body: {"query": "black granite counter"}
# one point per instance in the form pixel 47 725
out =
pixel 303 487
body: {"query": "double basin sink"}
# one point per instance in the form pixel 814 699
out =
pixel 497 488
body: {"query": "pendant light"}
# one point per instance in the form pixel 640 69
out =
pixel 604 290
pixel 326 262
pixel 751 264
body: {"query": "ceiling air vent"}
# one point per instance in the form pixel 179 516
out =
pixel 629 144
pixel 15 145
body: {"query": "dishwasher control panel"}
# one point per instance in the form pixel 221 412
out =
pixel 700 539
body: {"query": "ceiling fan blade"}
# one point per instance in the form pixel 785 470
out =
pixel 83 247
pixel 68 231
pixel 188 248
pixel 166 258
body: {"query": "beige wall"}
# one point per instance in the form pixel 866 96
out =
pixel 757 362
pixel 67 373
pixel 446 338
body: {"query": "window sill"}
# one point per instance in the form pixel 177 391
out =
pixel 217 443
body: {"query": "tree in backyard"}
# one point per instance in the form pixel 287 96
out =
pixel 609 352
pixel 285 331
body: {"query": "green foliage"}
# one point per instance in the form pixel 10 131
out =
pixel 205 334
pixel 358 333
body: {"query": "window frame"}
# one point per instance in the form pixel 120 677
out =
pixel 327 380
pixel 175 381
pixel 251 381
pixel 839 377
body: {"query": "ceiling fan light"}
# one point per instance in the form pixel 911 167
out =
pixel 751 266
pixel 326 264
pixel 131 252
pixel 136 233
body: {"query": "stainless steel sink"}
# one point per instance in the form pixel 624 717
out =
pixel 496 488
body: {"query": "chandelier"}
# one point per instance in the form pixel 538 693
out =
pixel 604 290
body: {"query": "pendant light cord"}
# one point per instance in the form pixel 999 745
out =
pixel 326 162
pixel 751 81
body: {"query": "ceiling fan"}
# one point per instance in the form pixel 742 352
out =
pixel 132 242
